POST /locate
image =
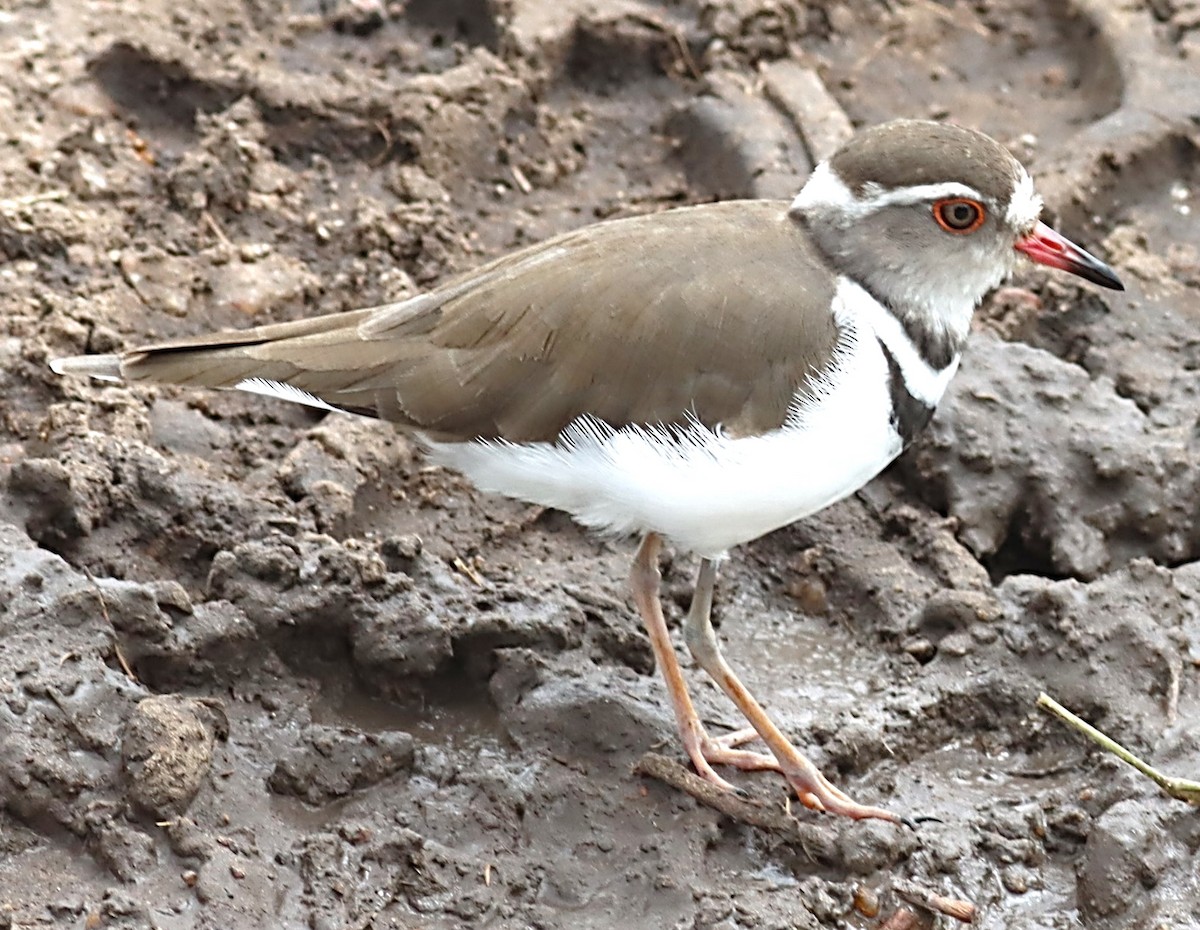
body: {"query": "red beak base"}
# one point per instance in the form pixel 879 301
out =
pixel 1046 247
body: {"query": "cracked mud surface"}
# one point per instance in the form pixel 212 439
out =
pixel 263 668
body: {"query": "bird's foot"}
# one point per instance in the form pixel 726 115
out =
pixel 812 788
pixel 722 750
pixel 706 751
pixel 817 793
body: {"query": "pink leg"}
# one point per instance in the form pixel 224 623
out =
pixel 645 579
pixel 813 788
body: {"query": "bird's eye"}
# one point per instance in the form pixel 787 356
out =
pixel 958 214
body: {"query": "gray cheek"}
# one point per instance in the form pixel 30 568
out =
pixel 1000 255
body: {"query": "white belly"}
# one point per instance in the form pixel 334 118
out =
pixel 704 491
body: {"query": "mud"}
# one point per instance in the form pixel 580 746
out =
pixel 260 667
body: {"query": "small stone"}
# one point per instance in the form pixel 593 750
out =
pixel 254 251
pixel 920 649
pixel 956 644
pixel 401 552
pixel 810 595
pixel 866 901
pixel 1015 879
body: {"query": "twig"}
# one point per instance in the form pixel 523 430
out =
pixel 388 143
pixel 211 222
pixel 869 55
pixel 1181 789
pixel 519 179
pixel 780 822
pixel 685 55
pixel 470 572
pixel 1173 684
pixel 682 52
pixel 931 901
pixel 116 637
pixel 741 809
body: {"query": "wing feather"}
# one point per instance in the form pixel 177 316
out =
pixel 719 312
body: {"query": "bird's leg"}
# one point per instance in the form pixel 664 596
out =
pixel 644 578
pixel 722 749
pixel 811 786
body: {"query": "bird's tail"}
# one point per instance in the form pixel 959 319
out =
pixel 104 367
pixel 322 361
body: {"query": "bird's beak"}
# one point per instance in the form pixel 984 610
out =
pixel 1047 247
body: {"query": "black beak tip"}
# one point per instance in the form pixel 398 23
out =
pixel 1111 281
pixel 1099 273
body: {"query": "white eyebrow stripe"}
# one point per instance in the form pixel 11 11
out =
pixel 826 191
pixel 876 198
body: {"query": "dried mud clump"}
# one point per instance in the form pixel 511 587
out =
pixel 166 752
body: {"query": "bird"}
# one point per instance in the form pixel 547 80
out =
pixel 696 377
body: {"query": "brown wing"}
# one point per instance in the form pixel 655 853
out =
pixel 719 311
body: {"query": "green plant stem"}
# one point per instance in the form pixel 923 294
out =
pixel 1181 789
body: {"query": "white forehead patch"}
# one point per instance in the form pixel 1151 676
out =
pixel 1025 207
pixel 824 190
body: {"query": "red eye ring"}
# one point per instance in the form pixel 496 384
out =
pixel 959 215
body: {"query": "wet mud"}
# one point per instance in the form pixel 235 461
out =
pixel 263 667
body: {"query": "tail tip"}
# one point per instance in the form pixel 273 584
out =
pixel 103 367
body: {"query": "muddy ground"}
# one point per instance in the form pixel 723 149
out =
pixel 261 667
